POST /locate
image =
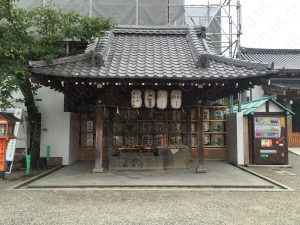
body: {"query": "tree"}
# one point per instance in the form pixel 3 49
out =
pixel 37 34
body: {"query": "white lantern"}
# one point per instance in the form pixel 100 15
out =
pixel 162 99
pixel 176 99
pixel 136 98
pixel 149 99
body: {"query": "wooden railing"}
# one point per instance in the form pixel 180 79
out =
pixel 294 139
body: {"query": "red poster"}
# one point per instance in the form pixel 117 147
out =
pixel 3 144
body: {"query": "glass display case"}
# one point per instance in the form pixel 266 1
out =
pixel 149 128
pixel 214 126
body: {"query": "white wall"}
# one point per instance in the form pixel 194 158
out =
pixel 257 93
pixel 55 124
pixel 274 108
pixel 236 138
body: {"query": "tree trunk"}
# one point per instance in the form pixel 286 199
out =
pixel 34 121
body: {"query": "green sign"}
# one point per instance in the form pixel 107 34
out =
pixel 264 156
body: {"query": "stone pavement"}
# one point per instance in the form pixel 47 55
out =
pixel 158 207
pixel 295 150
pixel 220 175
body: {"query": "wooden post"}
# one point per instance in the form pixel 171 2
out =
pixel 200 148
pixel 110 130
pixel 188 133
pixel 99 139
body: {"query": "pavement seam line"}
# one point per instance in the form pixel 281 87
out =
pixel 39 176
pixel 267 179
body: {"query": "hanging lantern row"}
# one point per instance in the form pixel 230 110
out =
pixel 100 85
pixel 160 101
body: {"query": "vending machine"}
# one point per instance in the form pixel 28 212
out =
pixel 270 142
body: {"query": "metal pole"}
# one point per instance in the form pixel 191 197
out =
pixel 230 30
pixel 137 13
pixel 168 13
pixel 231 103
pixel 239 102
pixel 239 30
pixel 91 9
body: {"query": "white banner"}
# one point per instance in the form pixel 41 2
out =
pixel 11 147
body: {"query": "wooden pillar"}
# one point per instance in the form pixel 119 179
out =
pixel 188 133
pixel 110 130
pixel 99 139
pixel 200 146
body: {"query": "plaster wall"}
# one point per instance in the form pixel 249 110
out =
pixel 236 138
pixel 257 93
pixel 272 108
pixel 55 124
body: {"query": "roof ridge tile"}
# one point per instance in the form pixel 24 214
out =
pixel 63 60
pixel 246 50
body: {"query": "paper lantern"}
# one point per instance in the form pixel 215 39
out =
pixel 136 98
pixel 176 99
pixel 149 99
pixel 162 99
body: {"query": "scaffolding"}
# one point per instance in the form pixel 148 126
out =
pixel 223 22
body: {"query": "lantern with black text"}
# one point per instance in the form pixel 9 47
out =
pixel 136 98
pixel 162 99
pixel 149 99
pixel 176 99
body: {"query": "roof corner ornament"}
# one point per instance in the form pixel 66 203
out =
pixel 203 32
pixel 271 66
pixel 203 60
pixel 97 59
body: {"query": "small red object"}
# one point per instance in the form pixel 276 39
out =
pixel 7 127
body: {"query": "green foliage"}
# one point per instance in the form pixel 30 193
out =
pixel 37 34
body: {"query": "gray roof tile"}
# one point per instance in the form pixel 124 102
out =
pixel 162 52
pixel 284 59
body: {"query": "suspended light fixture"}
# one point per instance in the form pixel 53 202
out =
pixel 176 100
pixel 149 98
pixel 162 99
pixel 136 98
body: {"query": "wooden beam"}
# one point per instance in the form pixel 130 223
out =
pixel 110 133
pixel 99 139
pixel 188 133
pixel 200 148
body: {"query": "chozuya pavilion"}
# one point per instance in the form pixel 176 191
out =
pixel 141 93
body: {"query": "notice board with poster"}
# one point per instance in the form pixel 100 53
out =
pixel 270 139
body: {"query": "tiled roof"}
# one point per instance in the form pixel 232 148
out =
pixel 250 107
pixel 284 59
pixel 151 52
pixel 291 84
pixel 10 117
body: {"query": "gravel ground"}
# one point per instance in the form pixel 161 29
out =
pixel 156 206
pixel 291 180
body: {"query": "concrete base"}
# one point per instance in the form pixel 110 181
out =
pixel 136 161
pixel 96 170
pixel 295 150
pixel 271 166
pixel 221 175
pixel 2 175
pixel 54 161
pixel 174 156
pixel 201 170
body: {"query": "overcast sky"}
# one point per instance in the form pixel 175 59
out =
pixel 268 23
